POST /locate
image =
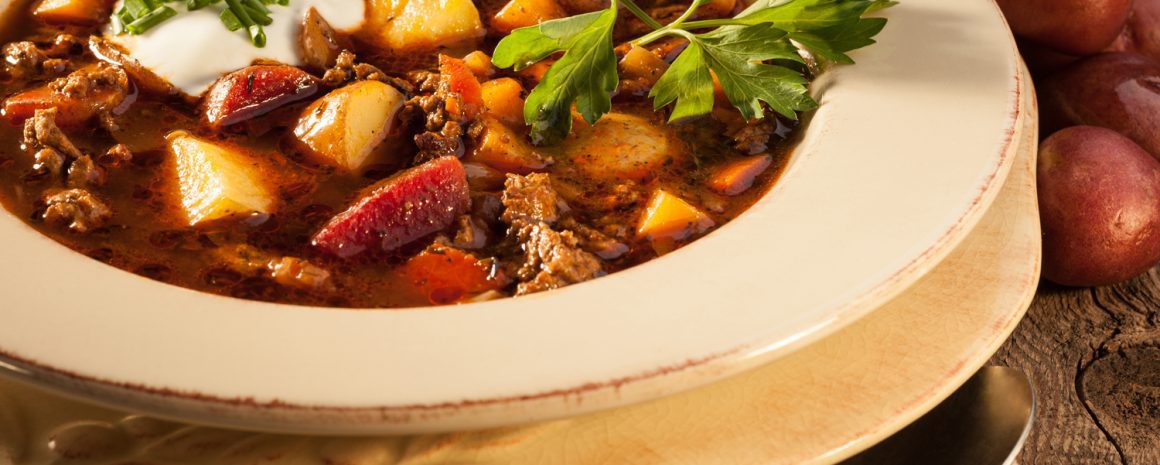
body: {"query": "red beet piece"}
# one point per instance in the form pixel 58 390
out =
pixel 400 209
pixel 255 91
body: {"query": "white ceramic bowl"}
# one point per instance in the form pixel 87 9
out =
pixel 903 157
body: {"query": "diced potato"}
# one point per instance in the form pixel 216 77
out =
pixel 417 24
pixel 506 150
pixel 524 13
pixel 671 218
pixel 480 64
pixel 344 127
pixel 79 12
pixel 217 181
pixel 620 146
pixel 738 176
pixel 642 64
pixel 502 99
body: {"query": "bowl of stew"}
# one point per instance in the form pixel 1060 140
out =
pixel 352 223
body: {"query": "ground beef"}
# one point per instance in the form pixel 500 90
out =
pixel 85 82
pixel 41 131
pixel 470 234
pixel 23 59
pixel 50 147
pixel 530 198
pixel 298 273
pixel 753 138
pixel 117 156
pixel 346 69
pixel 76 209
pixel 595 241
pixel 545 258
pixel 551 259
pixel 84 172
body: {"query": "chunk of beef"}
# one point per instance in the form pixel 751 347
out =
pixel 754 137
pixel 143 77
pixel 595 241
pixel 470 234
pixel 76 209
pixel 530 198
pixel 48 162
pixel 551 259
pixel 346 68
pixel 41 131
pixel 51 148
pixel 84 172
pixel 117 156
pixel 546 258
pixel 78 98
pixel 291 272
pixel 300 274
pixel 23 59
pixel 84 82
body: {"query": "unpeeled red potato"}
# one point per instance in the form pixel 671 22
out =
pixel 1077 27
pixel 1142 34
pixel 1119 91
pixel 1099 200
pixel 344 127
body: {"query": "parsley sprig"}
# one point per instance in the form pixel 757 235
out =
pixel 137 16
pixel 756 56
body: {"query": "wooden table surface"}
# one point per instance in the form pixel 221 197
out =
pixel 1094 358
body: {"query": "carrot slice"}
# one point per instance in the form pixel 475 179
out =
pixel 738 176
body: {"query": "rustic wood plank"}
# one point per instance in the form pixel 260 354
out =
pixel 1094 355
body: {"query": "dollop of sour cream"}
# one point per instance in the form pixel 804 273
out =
pixel 194 49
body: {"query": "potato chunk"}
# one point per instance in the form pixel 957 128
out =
pixel 66 12
pixel 621 146
pixel 524 13
pixel 344 127
pixel 670 218
pixel 217 181
pixel 411 24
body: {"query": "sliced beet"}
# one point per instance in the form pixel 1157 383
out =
pixel 254 91
pixel 400 209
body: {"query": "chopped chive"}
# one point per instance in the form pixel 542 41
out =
pixel 136 9
pixel 257 4
pixel 257 36
pixel 258 16
pixel 231 21
pixel 153 18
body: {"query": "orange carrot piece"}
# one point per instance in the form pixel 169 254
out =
pixel 446 275
pixel 738 176
pixel 462 82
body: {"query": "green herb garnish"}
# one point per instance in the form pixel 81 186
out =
pixel 137 16
pixel 755 56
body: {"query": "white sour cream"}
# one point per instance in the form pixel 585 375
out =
pixel 194 49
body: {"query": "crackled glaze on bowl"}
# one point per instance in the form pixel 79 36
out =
pixel 896 167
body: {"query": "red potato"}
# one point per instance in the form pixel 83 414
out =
pixel 1099 200
pixel 400 209
pixel 255 91
pixel 1142 34
pixel 1113 90
pixel 1076 27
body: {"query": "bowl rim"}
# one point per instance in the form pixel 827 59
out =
pixel 631 387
